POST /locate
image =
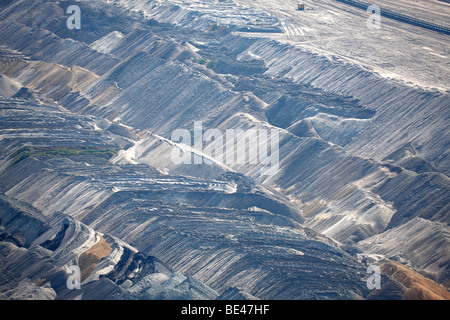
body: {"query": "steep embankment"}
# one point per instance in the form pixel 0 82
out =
pixel 417 286
pixel 362 158
pixel 223 232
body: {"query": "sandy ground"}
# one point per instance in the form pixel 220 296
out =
pixel 8 87
pixel 396 50
pixel 89 259
pixel 418 287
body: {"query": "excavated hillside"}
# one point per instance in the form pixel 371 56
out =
pixel 86 170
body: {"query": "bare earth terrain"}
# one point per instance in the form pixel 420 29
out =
pixel 397 50
pixel 88 179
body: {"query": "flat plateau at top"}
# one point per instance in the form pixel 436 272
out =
pixel 396 50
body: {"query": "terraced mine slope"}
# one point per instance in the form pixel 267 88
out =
pixel 87 176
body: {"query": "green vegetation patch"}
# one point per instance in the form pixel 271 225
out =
pixel 31 151
pixel 209 63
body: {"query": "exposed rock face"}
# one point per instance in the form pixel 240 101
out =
pixel 87 178
pixel 228 231
pixel 422 242
pixel 412 285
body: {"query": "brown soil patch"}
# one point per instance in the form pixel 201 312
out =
pixel 89 259
pixel 418 286
pixel 309 209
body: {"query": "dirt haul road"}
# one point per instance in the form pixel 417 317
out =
pixel 397 50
